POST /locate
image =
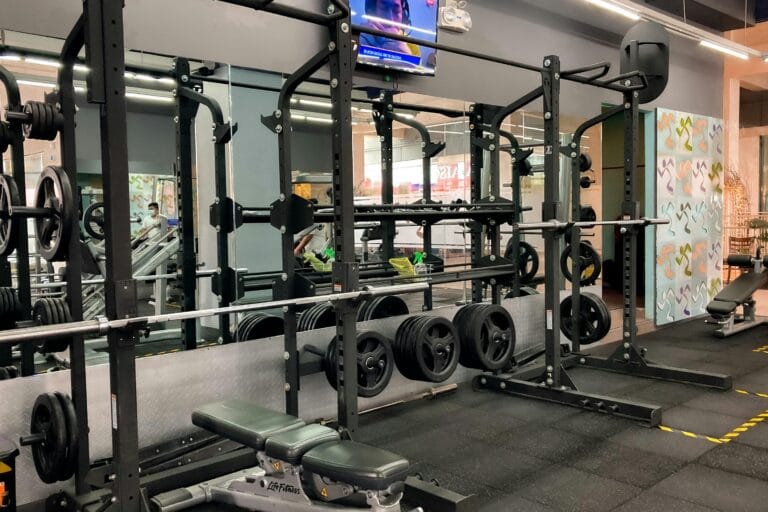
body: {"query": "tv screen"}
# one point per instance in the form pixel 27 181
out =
pixel 412 18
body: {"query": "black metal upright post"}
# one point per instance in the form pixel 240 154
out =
pixel 186 110
pixel 345 268
pixel 69 56
pixel 476 154
pixel 383 113
pixel 24 290
pixel 105 52
pixel 551 209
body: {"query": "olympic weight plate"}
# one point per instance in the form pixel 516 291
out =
pixel 487 335
pixel 318 316
pixel 527 262
pixel 93 220
pixel 70 459
pixel 52 232
pixel 589 262
pixel 385 306
pixel 44 121
pixel 49 421
pixel 429 349
pixel 594 318
pixel 49 312
pixel 264 326
pixel 9 227
pixel 375 363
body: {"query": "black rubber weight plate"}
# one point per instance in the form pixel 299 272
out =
pixel 48 418
pixel 437 349
pixel 68 468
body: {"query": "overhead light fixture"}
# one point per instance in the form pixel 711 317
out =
pixel 724 49
pixel 35 83
pixel 615 8
pixel 314 103
pixel 82 68
pixel 711 40
pixel 384 21
pixel 43 62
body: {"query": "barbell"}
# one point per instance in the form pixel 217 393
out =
pixel 103 325
pixel 53 213
pixel 562 226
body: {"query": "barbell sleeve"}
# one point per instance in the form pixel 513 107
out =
pixel 559 225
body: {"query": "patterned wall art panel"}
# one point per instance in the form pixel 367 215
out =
pixel 689 192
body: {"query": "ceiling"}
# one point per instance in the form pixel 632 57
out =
pixel 718 15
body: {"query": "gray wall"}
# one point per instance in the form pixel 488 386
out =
pixel 151 142
pixel 525 30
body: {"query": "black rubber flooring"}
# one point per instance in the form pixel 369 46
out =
pixel 518 454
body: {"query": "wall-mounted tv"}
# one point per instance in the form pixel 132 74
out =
pixel 412 18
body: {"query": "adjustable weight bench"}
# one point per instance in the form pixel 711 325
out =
pixel 739 293
pixel 301 467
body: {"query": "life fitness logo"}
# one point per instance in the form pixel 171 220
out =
pixel 283 488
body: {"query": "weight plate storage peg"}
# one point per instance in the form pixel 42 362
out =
pixel 9 227
pixel 589 262
pixel 53 437
pixel 52 231
pixel 50 311
pixel 594 318
pixel 487 335
pixel 42 121
pixel 427 348
pixel 375 363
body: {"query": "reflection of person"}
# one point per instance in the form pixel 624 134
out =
pixel 379 14
pixel 153 224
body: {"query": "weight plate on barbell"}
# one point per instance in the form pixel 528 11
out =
pixel 527 262
pixel 93 220
pixel 43 121
pixel 9 227
pixel 589 261
pixel 69 463
pixel 594 318
pixel 375 362
pixel 49 420
pixel 53 191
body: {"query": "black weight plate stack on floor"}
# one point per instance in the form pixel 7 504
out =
pixel 427 348
pixel 487 336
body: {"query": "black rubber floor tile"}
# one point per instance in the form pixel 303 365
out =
pixel 468 397
pixel 698 421
pixel 740 359
pixel 604 383
pixel 572 490
pixel 663 443
pixel 738 458
pixel 663 393
pixel 382 425
pixel 755 381
pixel 477 424
pixel 544 442
pixel 428 409
pixel 716 489
pixel 425 444
pixel 729 403
pixel 497 467
pixel 626 464
pixel 461 483
pixel 655 502
pixel 676 355
pixel 527 409
pixel 593 424
pixel 514 503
